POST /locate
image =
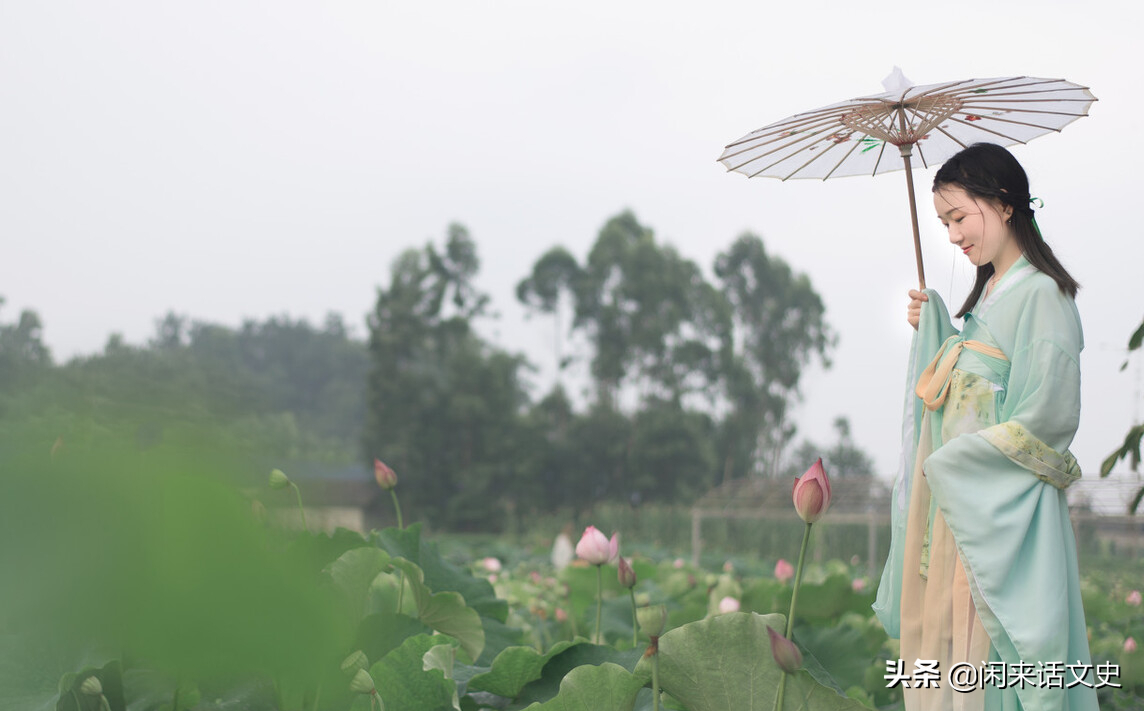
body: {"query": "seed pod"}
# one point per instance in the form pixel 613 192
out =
pixel 354 662
pixel 91 686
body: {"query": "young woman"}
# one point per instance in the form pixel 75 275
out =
pixel 982 582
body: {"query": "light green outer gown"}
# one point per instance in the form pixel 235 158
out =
pixel 1001 489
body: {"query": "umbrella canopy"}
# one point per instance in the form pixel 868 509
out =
pixel 933 122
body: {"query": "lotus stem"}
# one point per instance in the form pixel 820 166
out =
pixel 599 599
pixel 797 580
pixel 793 602
pixel 654 673
pixel 397 508
pixel 635 620
pixel 301 509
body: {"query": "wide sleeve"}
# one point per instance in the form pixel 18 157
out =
pixel 934 327
pixel 1000 491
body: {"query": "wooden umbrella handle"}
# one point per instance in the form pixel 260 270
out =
pixel 906 150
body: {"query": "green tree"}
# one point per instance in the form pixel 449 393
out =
pixel 555 277
pixel 779 325
pixel 651 317
pixel 1130 450
pixel 843 459
pixel 444 407
pixel 22 346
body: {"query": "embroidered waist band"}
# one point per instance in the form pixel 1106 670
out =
pixel 933 385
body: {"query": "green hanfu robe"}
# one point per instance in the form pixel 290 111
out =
pixel 982 568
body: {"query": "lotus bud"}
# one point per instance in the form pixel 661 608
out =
pixel 627 576
pixel 784 571
pixel 811 493
pixel 595 548
pixel 91 687
pixel 1130 645
pixel 1133 598
pixel 355 662
pixel 652 619
pixel 362 683
pixel 386 478
pixel 728 604
pixel 278 479
pixel 785 652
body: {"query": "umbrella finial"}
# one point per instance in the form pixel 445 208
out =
pixel 896 82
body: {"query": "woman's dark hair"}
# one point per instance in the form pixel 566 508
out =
pixel 989 172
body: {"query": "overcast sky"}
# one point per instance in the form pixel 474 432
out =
pixel 232 160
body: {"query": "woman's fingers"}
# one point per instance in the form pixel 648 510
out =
pixel 914 310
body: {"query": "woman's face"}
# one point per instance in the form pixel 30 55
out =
pixel 978 227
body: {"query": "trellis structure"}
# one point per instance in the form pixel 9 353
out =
pixel 854 500
pixel 1095 503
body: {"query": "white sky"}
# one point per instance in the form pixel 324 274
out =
pixel 242 159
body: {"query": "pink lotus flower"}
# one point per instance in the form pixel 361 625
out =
pixel 811 493
pixel 1129 645
pixel 561 615
pixel 784 571
pixel 626 575
pixel 677 563
pixel 1133 598
pixel 728 604
pixel 491 564
pixel 858 584
pixel 385 476
pixel 595 548
pixel 785 652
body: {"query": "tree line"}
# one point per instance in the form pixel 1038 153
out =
pixel 690 380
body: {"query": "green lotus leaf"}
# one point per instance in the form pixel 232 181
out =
pixel 513 668
pixel 724 662
pixel 403 682
pixel 608 687
pixel 354 573
pixel 445 612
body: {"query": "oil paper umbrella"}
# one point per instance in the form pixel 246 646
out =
pixel 933 122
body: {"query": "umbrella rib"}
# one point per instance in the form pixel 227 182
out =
pixel 989 130
pixel 879 161
pixel 921 154
pixel 966 87
pixel 950 87
pixel 990 100
pixel 1022 123
pixel 815 157
pixel 803 119
pixel 1003 95
pixel 798 140
pixel 1001 85
pixel 843 159
pixel 952 137
pixel 771 136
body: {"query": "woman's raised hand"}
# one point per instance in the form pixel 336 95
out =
pixel 914 311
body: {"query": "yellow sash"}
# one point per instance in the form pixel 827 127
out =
pixel 933 385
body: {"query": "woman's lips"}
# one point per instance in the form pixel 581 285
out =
pixel 965 250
